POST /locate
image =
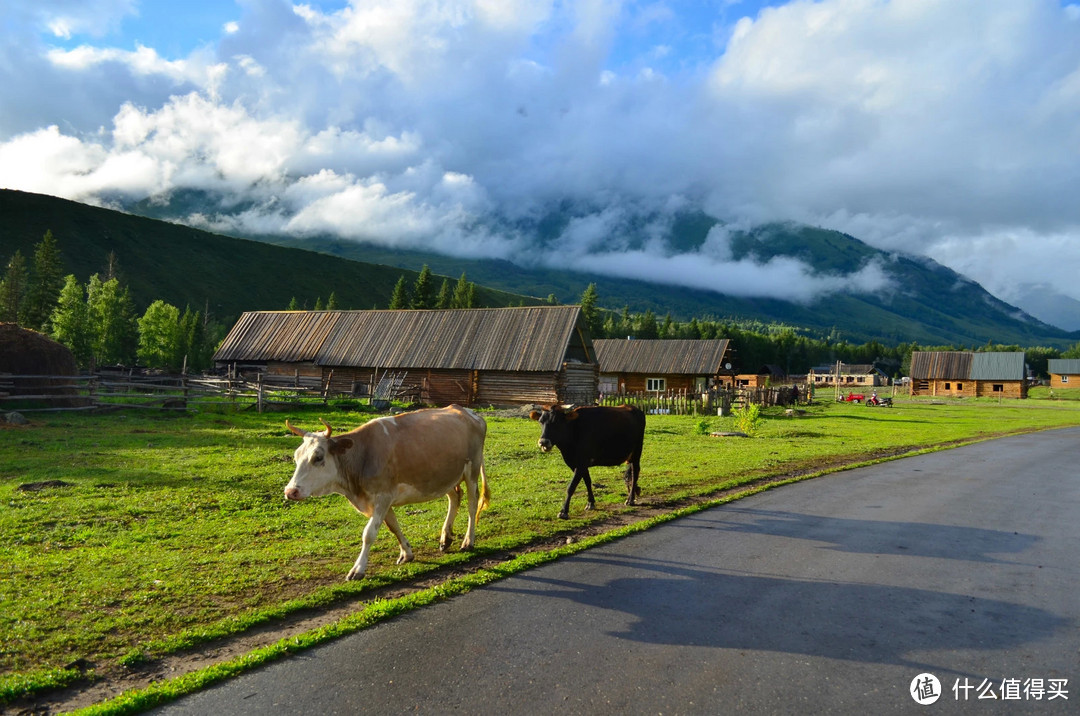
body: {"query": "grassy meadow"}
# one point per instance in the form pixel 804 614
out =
pixel 127 536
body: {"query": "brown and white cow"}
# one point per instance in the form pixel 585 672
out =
pixel 398 460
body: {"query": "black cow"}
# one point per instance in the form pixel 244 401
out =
pixel 594 436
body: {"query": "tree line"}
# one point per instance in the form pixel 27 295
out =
pixel 422 293
pixel 97 321
pixel 758 344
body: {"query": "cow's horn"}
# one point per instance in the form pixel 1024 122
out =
pixel 294 431
pixel 328 428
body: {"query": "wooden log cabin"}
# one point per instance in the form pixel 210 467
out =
pixel 1064 372
pixel 968 374
pixel 484 356
pixel 662 365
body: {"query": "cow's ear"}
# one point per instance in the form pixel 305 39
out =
pixel 534 415
pixel 572 415
pixel 339 445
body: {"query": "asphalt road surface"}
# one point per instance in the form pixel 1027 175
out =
pixel 828 596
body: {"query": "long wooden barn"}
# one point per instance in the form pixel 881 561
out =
pixel 968 374
pixel 662 365
pixel 483 356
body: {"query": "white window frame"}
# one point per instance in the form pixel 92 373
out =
pixel 655 385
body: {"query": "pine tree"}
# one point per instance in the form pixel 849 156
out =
pixel 43 289
pixel 445 296
pixel 461 293
pixel 331 303
pixel 70 321
pixel 647 326
pixel 667 328
pixel 626 324
pixel 293 305
pixel 421 293
pixel 589 311
pixel 192 342
pixel 318 303
pixel 400 297
pixel 13 288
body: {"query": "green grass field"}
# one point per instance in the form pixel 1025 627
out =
pixel 129 536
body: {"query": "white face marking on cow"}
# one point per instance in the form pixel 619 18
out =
pixel 316 470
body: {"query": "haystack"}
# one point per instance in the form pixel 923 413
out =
pixel 26 352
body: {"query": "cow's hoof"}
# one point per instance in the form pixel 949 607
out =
pixel 564 515
pixel 630 501
pixel 590 506
pixel 354 576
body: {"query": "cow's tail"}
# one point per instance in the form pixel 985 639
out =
pixel 485 492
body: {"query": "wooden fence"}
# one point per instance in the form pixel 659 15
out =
pixel 29 393
pixel 714 402
pixel 32 393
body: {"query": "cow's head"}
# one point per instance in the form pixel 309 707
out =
pixel 556 424
pixel 317 471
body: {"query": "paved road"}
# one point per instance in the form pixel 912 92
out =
pixel 829 596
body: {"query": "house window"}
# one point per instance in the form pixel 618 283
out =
pixel 655 385
pixel 948 386
pixel 1064 379
pixel 998 388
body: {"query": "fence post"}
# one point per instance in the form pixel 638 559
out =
pixel 259 390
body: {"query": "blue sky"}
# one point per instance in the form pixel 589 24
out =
pixel 942 128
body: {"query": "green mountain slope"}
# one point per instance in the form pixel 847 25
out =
pixel 929 303
pixel 188 267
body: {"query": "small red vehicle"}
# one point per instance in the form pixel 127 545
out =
pixel 854 398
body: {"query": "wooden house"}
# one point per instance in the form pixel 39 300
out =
pixel 847 376
pixel 968 374
pixel 1064 372
pixel 662 366
pixel 766 375
pixel 484 356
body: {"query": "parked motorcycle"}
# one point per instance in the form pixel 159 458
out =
pixel 880 402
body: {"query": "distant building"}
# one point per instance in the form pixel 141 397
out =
pixel 662 366
pixel 968 374
pixel 1064 372
pixel 847 375
pixel 766 375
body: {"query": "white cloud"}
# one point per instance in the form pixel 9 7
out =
pixel 939 127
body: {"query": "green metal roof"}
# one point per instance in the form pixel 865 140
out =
pixel 1063 366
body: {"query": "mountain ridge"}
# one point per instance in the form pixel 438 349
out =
pixel 930 304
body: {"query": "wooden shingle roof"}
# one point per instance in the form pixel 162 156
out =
pixel 661 357
pixel 511 339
